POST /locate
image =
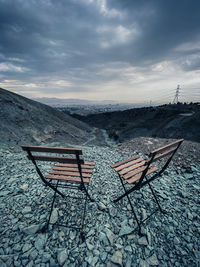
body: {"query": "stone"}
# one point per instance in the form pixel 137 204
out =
pixel 101 206
pixel 94 261
pixel 62 256
pixel 128 262
pixel 112 212
pixel 117 258
pixel 32 229
pixel 96 252
pixel 72 235
pixel 152 260
pixel 103 238
pixel 14 221
pixel 54 216
pixel 2 264
pixel 33 255
pixel 132 237
pixel 30 264
pixel 4 193
pixel 91 232
pixel 46 257
pixel 61 235
pixel 24 187
pixel 52 262
pixel 16 247
pixel 89 259
pixel 109 235
pixel 26 247
pixel 128 248
pixel 176 241
pixel 126 230
pixel 103 256
pixel 143 263
pixel 188 175
pixel 40 242
pixel 89 246
pixel 26 210
pixel 143 241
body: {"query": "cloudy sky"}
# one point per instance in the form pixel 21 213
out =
pixel 125 50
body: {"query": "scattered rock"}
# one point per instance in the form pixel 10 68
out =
pixel 117 258
pixel 143 263
pixel 26 247
pixel 89 246
pixel 54 216
pixel 40 242
pixel 109 235
pixel 152 260
pixel 26 210
pixel 101 206
pixel 143 241
pixel 62 256
pixel 4 193
pixel 126 230
pixel 30 264
pixel 189 176
pixel 32 229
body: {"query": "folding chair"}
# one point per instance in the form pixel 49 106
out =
pixel 71 173
pixel 134 171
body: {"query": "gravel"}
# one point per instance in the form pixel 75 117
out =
pixel 111 232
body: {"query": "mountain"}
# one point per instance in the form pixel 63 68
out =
pixel 167 121
pixel 24 121
pixel 61 102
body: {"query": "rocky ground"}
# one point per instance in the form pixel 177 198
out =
pixel 111 232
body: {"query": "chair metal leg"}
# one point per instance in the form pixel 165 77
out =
pixel 82 234
pixel 52 204
pixel 154 195
pixel 82 187
pixel 139 225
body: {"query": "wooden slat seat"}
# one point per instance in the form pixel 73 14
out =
pixel 72 169
pixel 136 178
pixel 66 172
pixel 128 164
pixel 67 178
pixel 123 161
pixel 76 174
pixel 85 165
pixel 132 167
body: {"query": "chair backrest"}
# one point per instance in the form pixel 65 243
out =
pixel 54 150
pixel 159 153
pixel 164 151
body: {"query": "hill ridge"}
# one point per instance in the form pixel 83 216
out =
pixel 24 120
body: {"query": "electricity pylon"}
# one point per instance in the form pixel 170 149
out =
pixel 176 94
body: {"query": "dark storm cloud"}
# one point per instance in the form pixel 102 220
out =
pixel 163 24
pixel 75 38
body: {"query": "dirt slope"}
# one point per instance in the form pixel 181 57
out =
pixel 26 121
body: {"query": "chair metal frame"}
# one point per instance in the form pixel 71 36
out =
pixel 81 185
pixel 143 180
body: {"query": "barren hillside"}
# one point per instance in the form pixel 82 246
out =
pixel 23 120
pixel 167 121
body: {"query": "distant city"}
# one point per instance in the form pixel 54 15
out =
pixel 85 107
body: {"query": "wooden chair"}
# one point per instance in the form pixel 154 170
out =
pixel 134 171
pixel 70 172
